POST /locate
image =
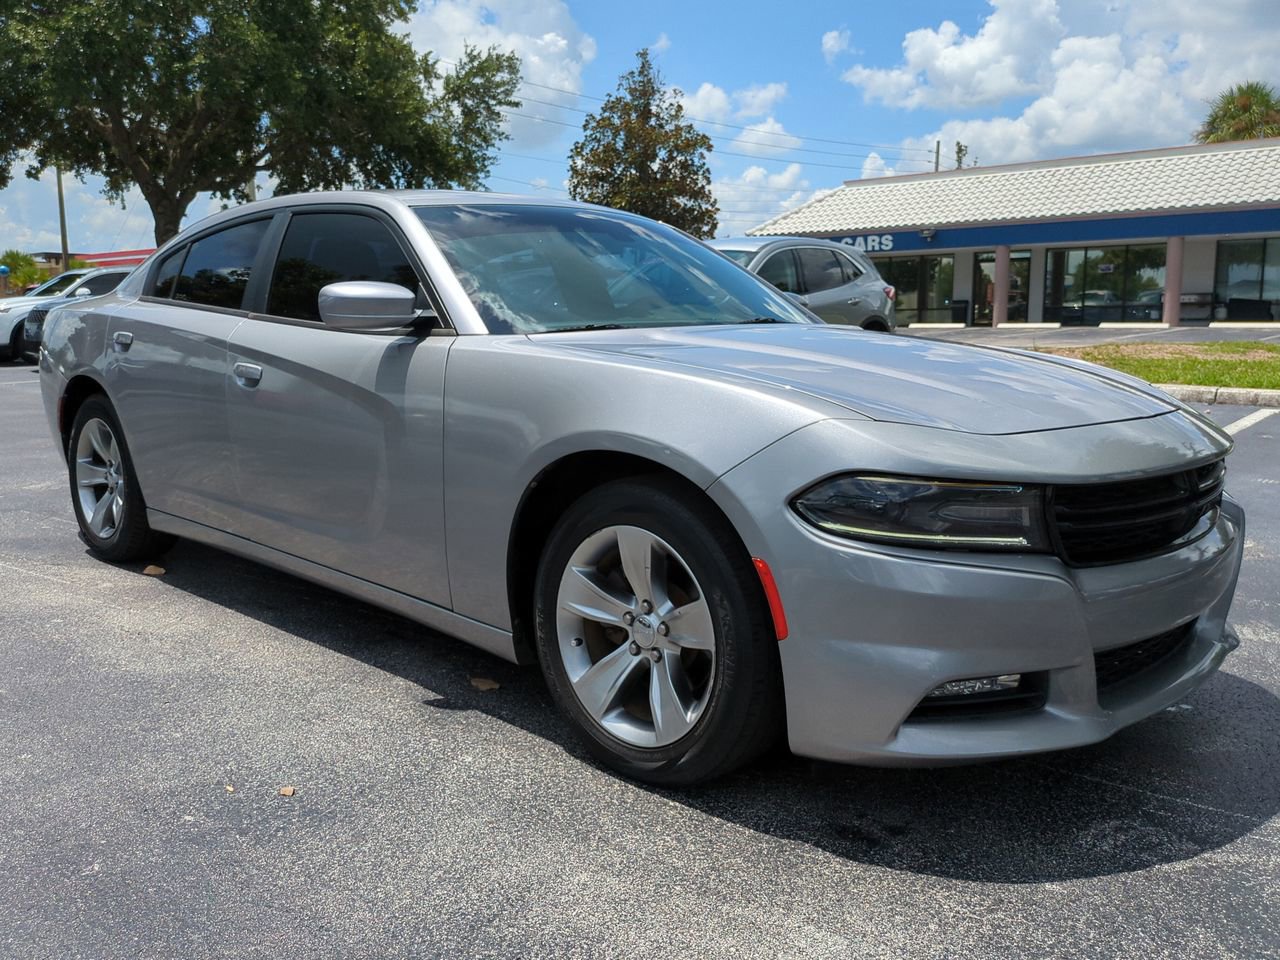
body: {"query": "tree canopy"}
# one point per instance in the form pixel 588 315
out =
pixel 1247 111
pixel 189 96
pixel 23 270
pixel 639 154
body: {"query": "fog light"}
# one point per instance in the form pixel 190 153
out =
pixel 965 688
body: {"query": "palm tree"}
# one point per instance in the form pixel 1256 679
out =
pixel 1246 111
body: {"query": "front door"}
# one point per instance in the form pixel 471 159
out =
pixel 338 434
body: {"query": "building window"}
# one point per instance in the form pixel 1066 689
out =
pixel 924 286
pixel 984 285
pixel 1247 278
pixel 1104 284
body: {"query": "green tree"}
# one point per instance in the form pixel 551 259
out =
pixel 639 154
pixel 189 96
pixel 1247 111
pixel 22 269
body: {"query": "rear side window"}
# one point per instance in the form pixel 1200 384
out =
pixel 167 272
pixel 780 270
pixel 851 270
pixel 217 268
pixel 821 269
pixel 324 248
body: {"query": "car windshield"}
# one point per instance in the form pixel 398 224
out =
pixel 56 285
pixel 738 256
pixel 536 269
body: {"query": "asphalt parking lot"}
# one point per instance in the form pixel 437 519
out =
pixel 148 722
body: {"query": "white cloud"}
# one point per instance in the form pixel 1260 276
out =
pixel 708 102
pixel 756 195
pixel 553 51
pixel 945 68
pixel 759 99
pixel 1113 77
pixel 834 43
pixel 875 166
pixel 766 138
pixel 662 44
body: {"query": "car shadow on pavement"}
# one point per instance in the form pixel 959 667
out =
pixel 1196 777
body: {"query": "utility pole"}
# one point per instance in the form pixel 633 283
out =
pixel 937 155
pixel 62 218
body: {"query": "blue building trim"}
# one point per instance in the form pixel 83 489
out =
pixel 1069 232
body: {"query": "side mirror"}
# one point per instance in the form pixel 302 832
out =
pixel 367 305
pixel 83 292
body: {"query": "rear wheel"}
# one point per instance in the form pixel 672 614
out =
pixel 653 636
pixel 104 489
pixel 15 344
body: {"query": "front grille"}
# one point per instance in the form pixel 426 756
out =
pixel 1114 667
pixel 1114 522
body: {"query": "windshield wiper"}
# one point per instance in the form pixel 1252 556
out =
pixel 764 320
pixel 589 326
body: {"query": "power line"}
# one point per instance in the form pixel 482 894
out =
pixel 754 131
pixel 731 126
pixel 729 153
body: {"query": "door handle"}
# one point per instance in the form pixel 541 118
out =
pixel 122 340
pixel 248 374
pixel 855 300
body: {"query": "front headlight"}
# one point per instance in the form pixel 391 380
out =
pixel 938 514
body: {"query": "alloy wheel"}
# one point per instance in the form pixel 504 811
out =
pixel 100 479
pixel 636 636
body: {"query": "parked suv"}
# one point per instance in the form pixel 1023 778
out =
pixel 66 286
pixel 838 283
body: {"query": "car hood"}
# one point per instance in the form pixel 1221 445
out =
pixel 897 379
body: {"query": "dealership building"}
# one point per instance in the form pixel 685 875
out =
pixel 1180 235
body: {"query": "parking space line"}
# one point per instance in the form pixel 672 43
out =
pixel 1247 421
pixel 20 383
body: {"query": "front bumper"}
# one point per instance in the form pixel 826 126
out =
pixel 874 629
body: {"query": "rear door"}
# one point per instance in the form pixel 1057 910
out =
pixel 828 289
pixel 337 434
pixel 167 366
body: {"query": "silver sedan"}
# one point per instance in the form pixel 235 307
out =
pixel 577 437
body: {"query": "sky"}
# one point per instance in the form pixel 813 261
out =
pixel 800 97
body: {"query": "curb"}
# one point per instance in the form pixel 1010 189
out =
pixel 1243 396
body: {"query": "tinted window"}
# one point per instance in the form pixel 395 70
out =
pixel 324 248
pixel 103 283
pixel 780 270
pixel 167 272
pixel 217 269
pixel 851 270
pixel 821 269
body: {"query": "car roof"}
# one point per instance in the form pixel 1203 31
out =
pixel 756 244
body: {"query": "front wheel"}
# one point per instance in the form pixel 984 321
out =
pixel 653 635
pixel 104 488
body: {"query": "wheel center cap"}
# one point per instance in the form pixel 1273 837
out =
pixel 644 632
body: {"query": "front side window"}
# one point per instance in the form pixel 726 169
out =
pixel 536 269
pixel 217 268
pixel 821 269
pixel 780 270
pixel 324 248
pixel 102 283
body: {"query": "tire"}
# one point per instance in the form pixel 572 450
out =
pixel 97 451
pixel 15 344
pixel 673 703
